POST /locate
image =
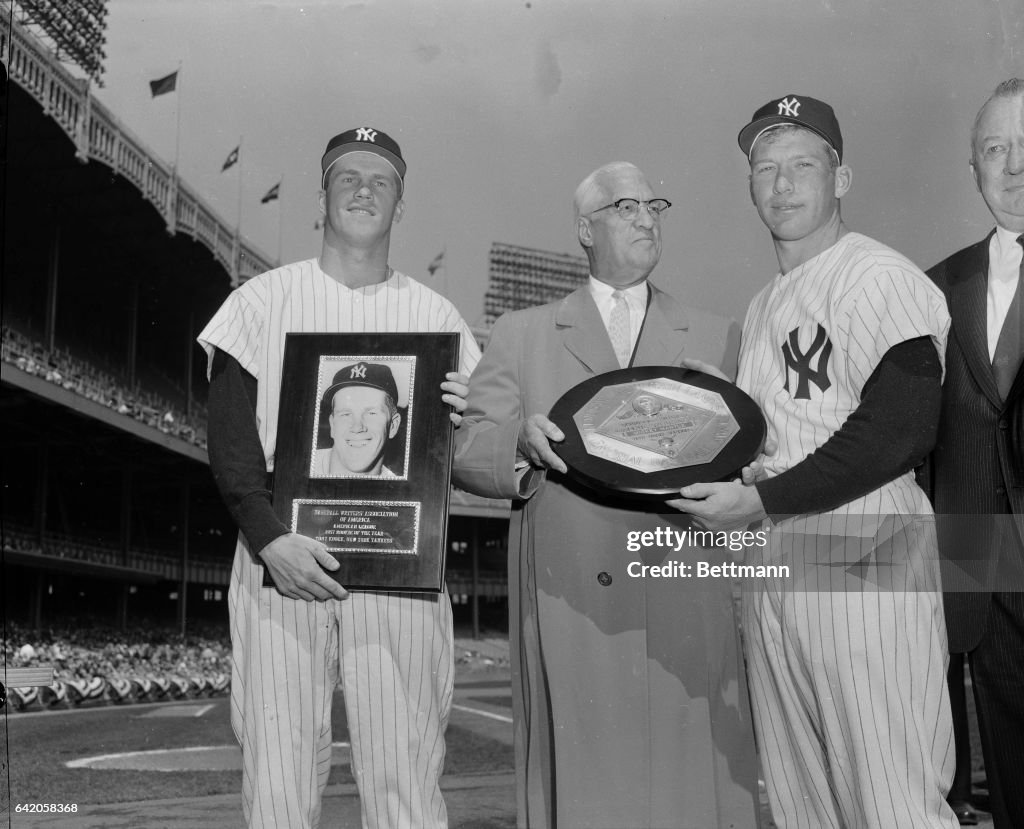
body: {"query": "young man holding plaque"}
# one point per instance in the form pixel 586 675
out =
pixel 391 652
pixel 628 700
pixel 843 352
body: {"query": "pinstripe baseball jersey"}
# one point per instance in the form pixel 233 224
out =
pixel 252 323
pixel 813 336
pixel 391 652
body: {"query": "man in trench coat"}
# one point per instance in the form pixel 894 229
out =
pixel 629 701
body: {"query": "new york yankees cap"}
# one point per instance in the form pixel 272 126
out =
pixel 363 140
pixel 809 113
pixel 374 375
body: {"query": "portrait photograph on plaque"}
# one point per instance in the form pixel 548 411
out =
pixel 646 432
pixel 363 455
pixel 365 409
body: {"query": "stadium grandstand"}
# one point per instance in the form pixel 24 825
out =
pixel 115 543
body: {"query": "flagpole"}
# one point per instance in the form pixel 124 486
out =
pixel 236 254
pixel 177 129
pixel 238 224
pixel 280 223
pixel 444 268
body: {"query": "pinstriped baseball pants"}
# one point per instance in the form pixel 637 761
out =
pixel 392 653
pixel 850 707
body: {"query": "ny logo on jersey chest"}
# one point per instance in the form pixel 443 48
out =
pixel 799 362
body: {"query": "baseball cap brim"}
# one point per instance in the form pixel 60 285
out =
pixel 390 389
pixel 755 129
pixel 362 147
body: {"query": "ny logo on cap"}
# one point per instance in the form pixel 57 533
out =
pixel 790 107
pixel 366 134
pixel 358 371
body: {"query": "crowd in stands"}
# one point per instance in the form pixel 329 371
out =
pixel 94 662
pixel 81 377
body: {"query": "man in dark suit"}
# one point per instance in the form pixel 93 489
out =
pixel 977 468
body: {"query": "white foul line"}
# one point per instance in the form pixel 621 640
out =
pixel 86 762
pixel 488 714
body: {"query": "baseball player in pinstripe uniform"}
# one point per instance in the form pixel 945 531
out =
pixel 842 350
pixel 391 652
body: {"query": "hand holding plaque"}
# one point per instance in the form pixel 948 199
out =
pixel 651 430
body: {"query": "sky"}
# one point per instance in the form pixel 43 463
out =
pixel 502 107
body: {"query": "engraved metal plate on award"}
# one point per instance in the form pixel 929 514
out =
pixel 650 430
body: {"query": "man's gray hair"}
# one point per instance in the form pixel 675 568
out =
pixel 1012 88
pixel 591 190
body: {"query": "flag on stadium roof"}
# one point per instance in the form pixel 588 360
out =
pixel 231 160
pixel 271 194
pixel 163 85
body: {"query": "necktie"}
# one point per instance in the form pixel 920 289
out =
pixel 618 329
pixel 1010 345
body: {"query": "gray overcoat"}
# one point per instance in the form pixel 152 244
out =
pixel 629 699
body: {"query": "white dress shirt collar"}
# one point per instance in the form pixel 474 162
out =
pixel 636 300
pixel 635 295
pixel 1004 260
pixel 1004 251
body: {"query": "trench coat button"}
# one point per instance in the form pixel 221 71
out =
pixel 1000 490
pixel 1004 424
pixel 604 579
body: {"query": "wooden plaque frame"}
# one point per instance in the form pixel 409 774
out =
pixel 388 529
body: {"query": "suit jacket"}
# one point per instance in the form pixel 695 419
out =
pixel 629 705
pixel 976 471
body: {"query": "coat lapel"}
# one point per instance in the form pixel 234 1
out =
pixel 583 333
pixel 1017 389
pixel 662 338
pixel 968 308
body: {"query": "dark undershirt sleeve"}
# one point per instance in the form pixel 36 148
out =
pixel 236 454
pixel 889 433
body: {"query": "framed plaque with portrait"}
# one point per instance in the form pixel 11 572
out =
pixel 363 455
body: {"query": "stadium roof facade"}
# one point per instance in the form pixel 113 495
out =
pixel 99 136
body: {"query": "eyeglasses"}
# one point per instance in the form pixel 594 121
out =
pixel 629 208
